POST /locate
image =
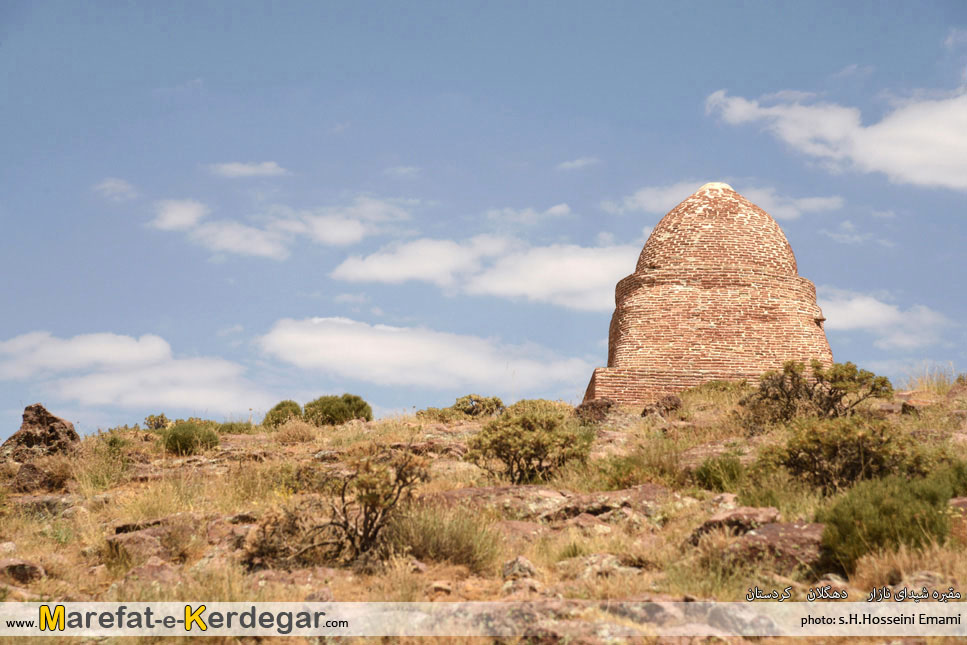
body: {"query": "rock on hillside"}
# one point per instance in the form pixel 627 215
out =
pixel 41 433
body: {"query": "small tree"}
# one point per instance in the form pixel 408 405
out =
pixel 156 421
pixel 366 497
pixel 532 439
pixel 833 391
pixel 475 405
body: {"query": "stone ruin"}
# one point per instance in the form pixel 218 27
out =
pixel 715 295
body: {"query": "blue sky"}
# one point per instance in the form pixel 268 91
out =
pixel 213 206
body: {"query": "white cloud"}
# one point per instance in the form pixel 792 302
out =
pixel 661 199
pixel 562 274
pixel 853 70
pixel 404 172
pixel 343 225
pixel 787 95
pixel 784 207
pixel 117 190
pixel 228 236
pixel 417 356
pixel 922 141
pixel 228 331
pixel 282 226
pixel 848 233
pixel 237 169
pixel 438 262
pixel 351 298
pixel 576 164
pixel 178 214
pixel 209 385
pixel 891 326
pixel 956 38
pixel 40 352
pixel 115 370
pixel 527 215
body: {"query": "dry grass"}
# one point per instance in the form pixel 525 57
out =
pixel 932 377
pixel 890 567
pixel 295 431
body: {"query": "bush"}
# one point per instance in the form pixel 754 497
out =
pixel 594 411
pixel 720 473
pixel 334 410
pixel 188 437
pixel 441 415
pixel 236 427
pixel 882 514
pixel 365 499
pixel 295 431
pixel 540 406
pixel 830 392
pixel 832 454
pixel 474 405
pixel 454 535
pixel 532 439
pixel 282 412
pixel 156 421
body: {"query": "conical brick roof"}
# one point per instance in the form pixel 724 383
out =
pixel 715 295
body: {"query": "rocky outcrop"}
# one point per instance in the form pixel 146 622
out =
pixel 784 546
pixel 737 520
pixel 40 434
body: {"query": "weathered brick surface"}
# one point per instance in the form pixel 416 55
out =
pixel 715 295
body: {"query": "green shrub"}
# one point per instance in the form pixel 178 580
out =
pixel 334 410
pixel 830 392
pixel 236 427
pixel 188 437
pixel 832 454
pixel 441 415
pixel 156 421
pixel 532 439
pixel 882 514
pixel 282 412
pixel 720 473
pixel 474 405
pixel 454 535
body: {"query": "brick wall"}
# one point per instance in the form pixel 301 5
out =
pixel 715 295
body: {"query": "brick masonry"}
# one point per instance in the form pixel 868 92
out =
pixel 715 295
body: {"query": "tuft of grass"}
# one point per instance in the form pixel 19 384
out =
pixel 720 473
pixel 656 460
pixel 295 431
pixel 453 535
pixel 932 377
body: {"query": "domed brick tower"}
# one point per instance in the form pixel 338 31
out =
pixel 715 295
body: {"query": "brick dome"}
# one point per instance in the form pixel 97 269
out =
pixel 715 295
pixel 718 226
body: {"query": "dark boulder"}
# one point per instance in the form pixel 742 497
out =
pixel 40 434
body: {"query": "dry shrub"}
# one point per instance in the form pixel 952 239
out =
pixel 366 497
pixel 295 431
